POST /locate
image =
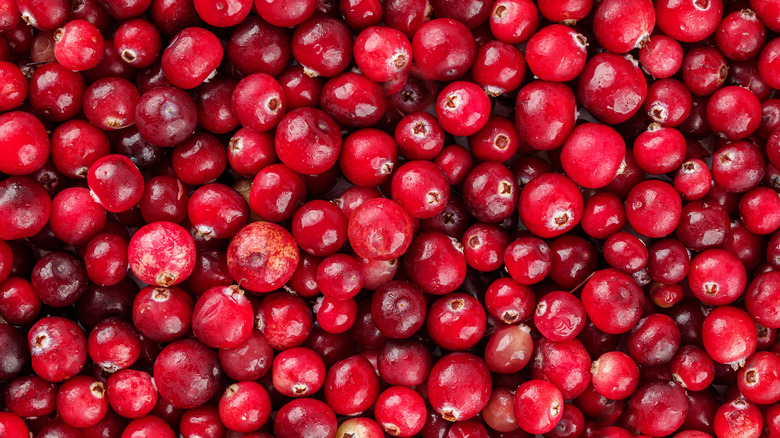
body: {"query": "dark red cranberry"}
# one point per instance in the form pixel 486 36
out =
pixel 305 417
pixel 45 363
pixel 190 386
pixel 398 309
pixel 166 116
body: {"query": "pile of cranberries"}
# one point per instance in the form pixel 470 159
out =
pixel 375 218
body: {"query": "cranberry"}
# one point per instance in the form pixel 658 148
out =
pixel 738 417
pixel 550 205
pixel 368 157
pixel 729 335
pixel 556 53
pixel 456 322
pixel 462 108
pixel 262 256
pixel 380 229
pixel 192 385
pixel 284 319
pixel 78 45
pixel 538 406
pixel 435 262
pixel 448 47
pixel 172 251
pixel 579 149
pixel 244 407
pixel 322 45
pixel 351 386
pixel 24 143
pixel 58 348
pixel 305 417
pixel 18 357
pixel 13 425
pixel 459 386
pixel 56 92
pixel 612 301
pixel 166 116
pixel 611 87
pixel 308 141
pixel 419 136
pixel 688 21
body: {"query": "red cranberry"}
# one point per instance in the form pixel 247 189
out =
pixel 729 335
pixel 462 108
pixel 308 141
pixel 322 45
pixel 612 301
pixel 688 21
pixel 515 21
pixel 298 372
pixel 738 417
pixel 444 49
pixel 419 136
pixel 56 92
pixel 611 87
pixel 550 205
pixel 223 317
pixel 162 253
pixel 244 407
pixel 24 143
pixel 459 386
pixel 580 149
pixel 284 319
pixel 131 393
pixel 78 45
pixel 509 349
pixel 30 396
pixel 305 417
pixel 262 256
pixel 556 53
pixel 380 229
pixel 538 406
pixel 351 386
pixel 201 421
pixel 58 348
pixel 190 386
pixel 559 316
pixel 653 208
